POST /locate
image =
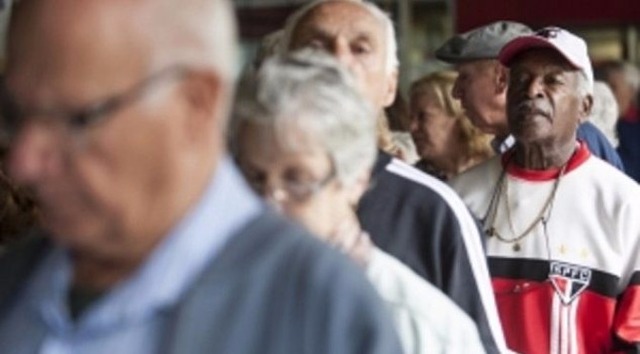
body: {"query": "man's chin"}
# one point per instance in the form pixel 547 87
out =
pixel 531 135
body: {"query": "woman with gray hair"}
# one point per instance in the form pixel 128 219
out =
pixel 306 142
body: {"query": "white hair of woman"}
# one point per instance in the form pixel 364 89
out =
pixel 312 93
pixel 604 113
pixel 392 62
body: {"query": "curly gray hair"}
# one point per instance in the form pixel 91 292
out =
pixel 313 94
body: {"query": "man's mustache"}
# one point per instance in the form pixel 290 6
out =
pixel 530 107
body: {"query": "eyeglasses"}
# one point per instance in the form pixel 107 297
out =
pixel 291 190
pixel 76 120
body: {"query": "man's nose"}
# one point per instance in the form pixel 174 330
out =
pixel 342 52
pixel 31 153
pixel 534 88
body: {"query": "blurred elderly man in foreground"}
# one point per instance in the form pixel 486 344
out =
pixel 563 226
pixel 410 215
pixel 115 112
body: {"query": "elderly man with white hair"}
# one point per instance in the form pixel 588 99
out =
pixel 408 214
pixel 562 225
pixel 115 112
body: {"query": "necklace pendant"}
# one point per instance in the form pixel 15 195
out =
pixel 516 247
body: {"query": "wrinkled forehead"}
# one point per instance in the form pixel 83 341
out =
pixel 69 48
pixel 339 17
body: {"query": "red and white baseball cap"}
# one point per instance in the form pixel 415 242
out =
pixel 567 44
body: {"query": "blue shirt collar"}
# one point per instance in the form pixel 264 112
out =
pixel 225 207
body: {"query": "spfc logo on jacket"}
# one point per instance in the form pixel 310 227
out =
pixel 569 280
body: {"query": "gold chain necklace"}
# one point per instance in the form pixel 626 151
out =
pixel 502 187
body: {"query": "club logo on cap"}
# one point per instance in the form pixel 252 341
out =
pixel 549 32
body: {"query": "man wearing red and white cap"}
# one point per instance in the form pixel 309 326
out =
pixel 483 82
pixel 562 224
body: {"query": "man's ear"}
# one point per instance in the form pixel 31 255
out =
pixel 391 89
pixel 586 105
pixel 501 78
pixel 204 101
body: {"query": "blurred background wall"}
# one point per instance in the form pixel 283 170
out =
pixel 609 26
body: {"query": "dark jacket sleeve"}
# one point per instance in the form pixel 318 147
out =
pixel 629 148
pixel 415 224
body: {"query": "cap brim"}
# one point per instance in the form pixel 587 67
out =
pixel 523 44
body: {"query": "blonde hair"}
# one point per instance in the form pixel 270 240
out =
pixel 477 144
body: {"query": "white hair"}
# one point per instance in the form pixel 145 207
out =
pixel 584 84
pixel 312 94
pixel 200 35
pixel 391 49
pixel 604 113
pixel 269 46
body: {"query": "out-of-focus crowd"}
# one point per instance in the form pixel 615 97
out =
pixel 154 201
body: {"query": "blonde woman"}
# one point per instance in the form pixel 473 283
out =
pixel 446 140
